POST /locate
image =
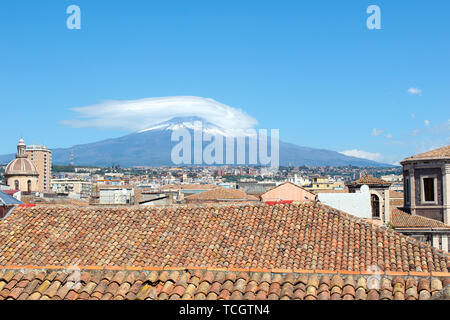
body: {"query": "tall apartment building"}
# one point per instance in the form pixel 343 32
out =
pixel 42 158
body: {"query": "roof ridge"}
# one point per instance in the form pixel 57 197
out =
pixel 230 269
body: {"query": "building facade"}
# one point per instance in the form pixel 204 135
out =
pixel 379 196
pixel 427 184
pixel 41 156
pixel 72 188
pixel 116 195
pixel 325 183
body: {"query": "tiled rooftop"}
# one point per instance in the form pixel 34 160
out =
pixel 401 219
pixel 92 283
pixel 307 236
pixel 219 194
pixel 368 180
pixel 443 152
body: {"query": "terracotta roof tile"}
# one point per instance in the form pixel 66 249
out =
pixel 443 152
pixel 299 236
pixel 221 194
pixel 368 180
pixel 402 219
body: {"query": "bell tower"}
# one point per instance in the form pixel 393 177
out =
pixel 21 149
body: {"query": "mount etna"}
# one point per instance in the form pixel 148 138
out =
pixel 153 147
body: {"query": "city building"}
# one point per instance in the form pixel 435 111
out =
pixel 287 192
pixel 396 199
pixel 21 173
pixel 355 203
pixel 325 183
pixel 299 180
pixel 220 195
pixel 72 188
pixel 255 188
pixel 188 189
pixel 116 195
pixel 424 229
pixel 41 156
pixel 396 181
pixel 379 196
pixel 426 179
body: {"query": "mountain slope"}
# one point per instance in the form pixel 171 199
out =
pixel 153 147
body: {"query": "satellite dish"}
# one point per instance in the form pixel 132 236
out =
pixel 364 189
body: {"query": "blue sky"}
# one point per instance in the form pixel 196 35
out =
pixel 309 68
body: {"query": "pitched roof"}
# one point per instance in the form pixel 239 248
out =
pixel 221 194
pixel 287 183
pixel 6 199
pixel 440 153
pixel 402 219
pixel 303 236
pixel 92 283
pixel 369 180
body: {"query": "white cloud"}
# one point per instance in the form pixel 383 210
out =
pixel 416 132
pixel 416 91
pixel 377 132
pixel 427 122
pixel 413 115
pixel 364 155
pixel 139 114
pixel 389 136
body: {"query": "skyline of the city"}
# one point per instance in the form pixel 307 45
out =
pixel 312 69
pixel 215 157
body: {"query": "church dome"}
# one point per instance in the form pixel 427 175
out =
pixel 21 167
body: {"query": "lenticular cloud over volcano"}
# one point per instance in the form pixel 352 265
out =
pixel 139 114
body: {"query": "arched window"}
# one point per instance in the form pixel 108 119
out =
pixel 16 185
pixel 375 202
pixel 29 186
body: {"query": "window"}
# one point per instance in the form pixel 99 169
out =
pixel 375 202
pixel 407 190
pixel 29 186
pixel 16 185
pixel 429 190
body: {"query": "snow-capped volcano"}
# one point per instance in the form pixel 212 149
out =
pixel 190 123
pixel 153 147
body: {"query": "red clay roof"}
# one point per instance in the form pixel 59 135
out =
pixel 401 219
pixel 10 192
pixel 298 236
pixel 368 180
pixel 93 283
pixel 440 153
pixel 219 194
